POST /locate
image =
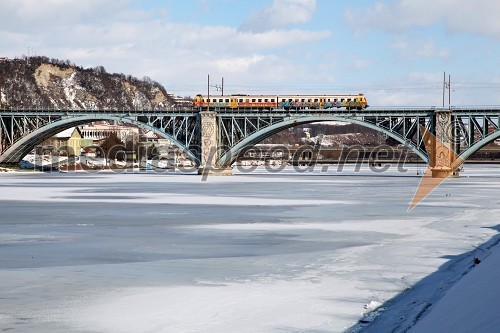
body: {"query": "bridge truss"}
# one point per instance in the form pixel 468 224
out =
pixel 21 130
pixel 469 130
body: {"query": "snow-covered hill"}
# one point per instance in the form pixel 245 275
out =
pixel 39 82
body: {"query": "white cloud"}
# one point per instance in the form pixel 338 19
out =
pixel 279 38
pixel 362 63
pixel 179 55
pixel 31 16
pixel 479 17
pixel 238 64
pixel 280 14
pixel 418 49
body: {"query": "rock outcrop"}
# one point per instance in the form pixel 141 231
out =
pixel 39 82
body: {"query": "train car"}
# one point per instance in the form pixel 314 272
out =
pixel 244 102
pixel 287 102
pixel 300 102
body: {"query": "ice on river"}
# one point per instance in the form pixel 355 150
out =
pixel 255 252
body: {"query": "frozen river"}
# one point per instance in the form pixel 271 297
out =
pixel 259 252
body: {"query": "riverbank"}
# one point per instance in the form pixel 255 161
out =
pixel 460 297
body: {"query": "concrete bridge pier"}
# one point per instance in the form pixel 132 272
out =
pixel 444 161
pixel 209 148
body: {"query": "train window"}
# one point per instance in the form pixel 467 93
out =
pixel 329 100
pixel 283 100
pixel 266 100
pixel 227 100
pixel 342 99
pixel 335 100
pixel 290 100
pixel 303 100
pixel 348 99
pixel 309 100
pixel 208 100
pixel 253 100
pixel 296 100
pixel 260 100
pixel 272 100
pixel 241 100
pixel 315 100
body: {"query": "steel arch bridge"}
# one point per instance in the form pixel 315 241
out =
pixel 21 131
pixel 468 129
pixel 214 139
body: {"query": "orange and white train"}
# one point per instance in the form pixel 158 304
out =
pixel 287 102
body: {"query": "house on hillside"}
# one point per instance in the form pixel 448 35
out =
pixel 67 142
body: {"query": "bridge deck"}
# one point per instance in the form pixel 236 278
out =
pixel 378 110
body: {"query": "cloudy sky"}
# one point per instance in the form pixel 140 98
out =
pixel 395 51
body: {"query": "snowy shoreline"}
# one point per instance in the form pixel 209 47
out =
pixel 424 307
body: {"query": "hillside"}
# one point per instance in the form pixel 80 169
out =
pixel 40 82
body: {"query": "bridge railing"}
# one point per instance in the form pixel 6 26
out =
pixel 345 111
pixel 97 110
pixel 173 109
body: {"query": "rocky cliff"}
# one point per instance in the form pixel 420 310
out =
pixel 40 82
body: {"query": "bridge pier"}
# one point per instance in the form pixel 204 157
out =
pixel 209 146
pixel 444 161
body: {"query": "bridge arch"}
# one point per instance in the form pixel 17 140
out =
pixel 22 147
pixel 480 144
pixel 230 156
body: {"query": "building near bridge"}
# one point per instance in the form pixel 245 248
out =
pixel 67 142
pixel 100 131
pixel 180 101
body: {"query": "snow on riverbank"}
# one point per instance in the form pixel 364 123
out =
pixel 471 305
pixel 404 313
pixel 256 252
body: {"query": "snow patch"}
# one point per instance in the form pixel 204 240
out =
pixel 4 319
pixel 212 307
pixel 69 86
pixel 62 194
pixel 19 238
pixel 373 305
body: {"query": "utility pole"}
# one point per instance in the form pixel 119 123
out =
pixel 449 91
pixel 447 85
pixel 216 86
pixel 444 86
